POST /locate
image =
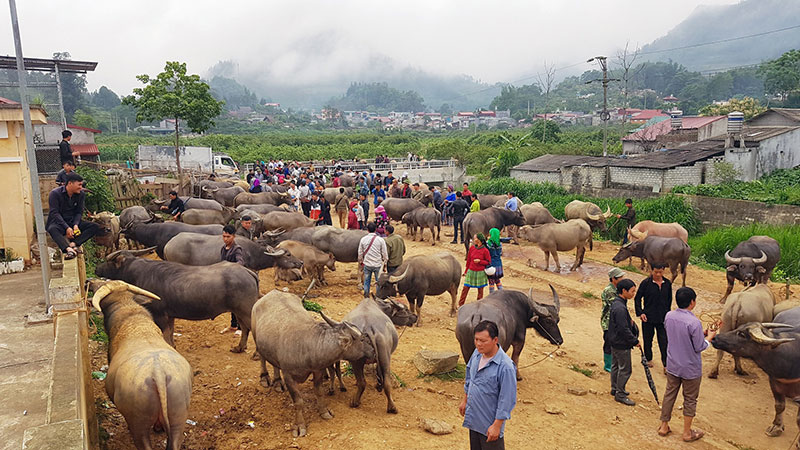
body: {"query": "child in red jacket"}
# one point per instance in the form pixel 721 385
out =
pixel 478 258
pixel 352 218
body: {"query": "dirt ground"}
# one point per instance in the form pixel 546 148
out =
pixel 233 411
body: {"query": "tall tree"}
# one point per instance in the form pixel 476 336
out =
pixel 782 75
pixel 105 98
pixel 546 80
pixel 174 94
pixel 626 60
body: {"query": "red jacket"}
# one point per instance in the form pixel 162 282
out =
pixel 481 253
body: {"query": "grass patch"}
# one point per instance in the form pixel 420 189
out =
pixel 348 370
pixel 312 306
pixel 588 295
pixel 457 374
pixel 632 268
pixel 585 372
pixel 100 333
pixel 399 380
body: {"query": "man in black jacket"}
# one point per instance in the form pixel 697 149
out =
pixel 657 294
pixel 64 222
pixel 65 149
pixel 623 336
pixel 629 217
pixel 460 210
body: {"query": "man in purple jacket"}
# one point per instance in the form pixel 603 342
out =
pixel 684 366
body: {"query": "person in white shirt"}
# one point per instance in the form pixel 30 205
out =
pixel 372 256
pixel 295 194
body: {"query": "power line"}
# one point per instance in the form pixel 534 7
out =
pixel 720 41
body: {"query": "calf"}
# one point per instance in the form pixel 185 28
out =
pixel 423 218
pixel 314 260
pixel 109 229
pixel 149 382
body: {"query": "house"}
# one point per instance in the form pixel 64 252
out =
pixel 776 117
pixel 16 203
pixel 47 136
pixel 672 133
pixel 646 114
pixel 756 151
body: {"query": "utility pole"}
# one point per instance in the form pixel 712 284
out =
pixel 604 115
pixel 44 254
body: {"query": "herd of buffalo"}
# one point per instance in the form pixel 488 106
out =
pixel 150 382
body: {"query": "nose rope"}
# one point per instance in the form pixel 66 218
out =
pixel 546 356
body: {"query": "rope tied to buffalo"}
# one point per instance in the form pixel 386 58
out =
pixel 544 357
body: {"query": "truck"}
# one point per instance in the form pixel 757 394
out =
pixel 202 159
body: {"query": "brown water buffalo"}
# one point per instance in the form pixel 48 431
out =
pixel 421 218
pixel 488 200
pixel 589 212
pixel 659 250
pixel 149 382
pixel 649 228
pixel 513 312
pixel 188 292
pixel 331 193
pixel 207 216
pixel 297 346
pixel 271 198
pixel 109 229
pixel 287 275
pixel 397 207
pixel 422 275
pixel 754 304
pixel 537 214
pixel 314 260
pixel 752 261
pixel 485 220
pixel 224 196
pixel 560 237
pixel 285 220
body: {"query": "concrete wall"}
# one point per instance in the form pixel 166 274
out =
pixel 772 119
pixel 715 128
pixel 715 212
pixel 536 177
pixel 50 134
pixel 779 152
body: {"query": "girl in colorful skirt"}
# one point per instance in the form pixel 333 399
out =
pixel 496 251
pixel 478 258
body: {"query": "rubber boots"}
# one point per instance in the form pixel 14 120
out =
pixel 607 362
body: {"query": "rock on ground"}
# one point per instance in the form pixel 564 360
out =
pixel 436 426
pixel 431 362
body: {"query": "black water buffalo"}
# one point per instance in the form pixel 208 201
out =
pixel 261 209
pixel 423 275
pixel 331 193
pixel 376 319
pixel 342 243
pixel 286 220
pixel 271 198
pixel 421 218
pixel 513 312
pixel 158 234
pixel 224 196
pixel 133 214
pixel 672 252
pixel 485 220
pixel 775 348
pixel 188 202
pixel 188 292
pixel 487 200
pixel 195 249
pixel 207 216
pixel 397 207
pixel 589 212
pixel 752 261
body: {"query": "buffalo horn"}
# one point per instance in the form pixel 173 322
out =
pixel 353 329
pixel 118 286
pixel 159 202
pixel 114 255
pixel 762 259
pixel 271 251
pixel 328 320
pixel 397 279
pixel 556 301
pixel 205 189
pixel 769 325
pixel 607 214
pixel 143 251
pixel 276 232
pixel 732 260
pixel 757 335
pixel 594 217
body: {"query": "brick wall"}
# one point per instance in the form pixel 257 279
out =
pixel 715 212
pixel 536 177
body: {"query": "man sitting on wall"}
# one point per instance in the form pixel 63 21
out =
pixel 64 220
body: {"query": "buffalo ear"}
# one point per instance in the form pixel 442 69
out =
pixel 535 319
pixel 732 268
pixel 761 269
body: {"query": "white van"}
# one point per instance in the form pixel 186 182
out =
pixel 225 165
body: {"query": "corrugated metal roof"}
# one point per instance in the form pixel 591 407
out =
pixel 758 134
pixel 86 149
pixel 665 126
pixel 666 159
pixel 789 113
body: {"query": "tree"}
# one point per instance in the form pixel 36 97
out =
pixel 546 84
pixel 508 156
pixel 782 75
pixel 174 94
pixel 82 118
pixel 747 105
pixel 626 60
pixel 105 98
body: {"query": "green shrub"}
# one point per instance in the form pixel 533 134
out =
pixel 781 186
pixel 710 248
pixel 101 198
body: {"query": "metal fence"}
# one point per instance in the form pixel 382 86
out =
pixel 378 167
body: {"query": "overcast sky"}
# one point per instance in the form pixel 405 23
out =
pixel 307 41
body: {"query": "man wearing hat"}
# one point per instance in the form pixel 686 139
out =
pixel 608 295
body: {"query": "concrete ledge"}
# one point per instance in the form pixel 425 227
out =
pixel 67 435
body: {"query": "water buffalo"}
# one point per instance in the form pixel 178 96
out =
pixel 271 198
pixel 188 203
pixel 752 261
pixel 423 275
pixel 424 218
pixel 589 212
pixel 659 250
pixel 342 243
pixel 207 216
pixel 376 319
pixel 314 260
pixel 260 208
pixel 560 237
pixel 485 220
pixel 649 228
pixel 537 214
pixel 188 292
pixel 488 200
pixel 331 193
pixel 286 220
pixel 513 312
pixel 754 304
pixel 158 234
pixel 149 382
pixel 109 227
pixel 397 207
pixel 298 346
pixel 195 249
pixel 775 348
pixel 136 214
pixel 287 275
pixel 224 196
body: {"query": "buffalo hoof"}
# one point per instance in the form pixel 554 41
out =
pixel 255 356
pixel 331 392
pixel 299 431
pixel 237 349
pixel 327 415
pixel 391 409
pixel 279 387
pixel 265 381
pixel 342 389
pixel 774 430
pixel 354 403
pixel 741 372
pixel 714 374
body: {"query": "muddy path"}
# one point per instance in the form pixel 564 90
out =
pixel 232 410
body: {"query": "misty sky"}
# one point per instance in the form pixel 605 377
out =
pixel 306 42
